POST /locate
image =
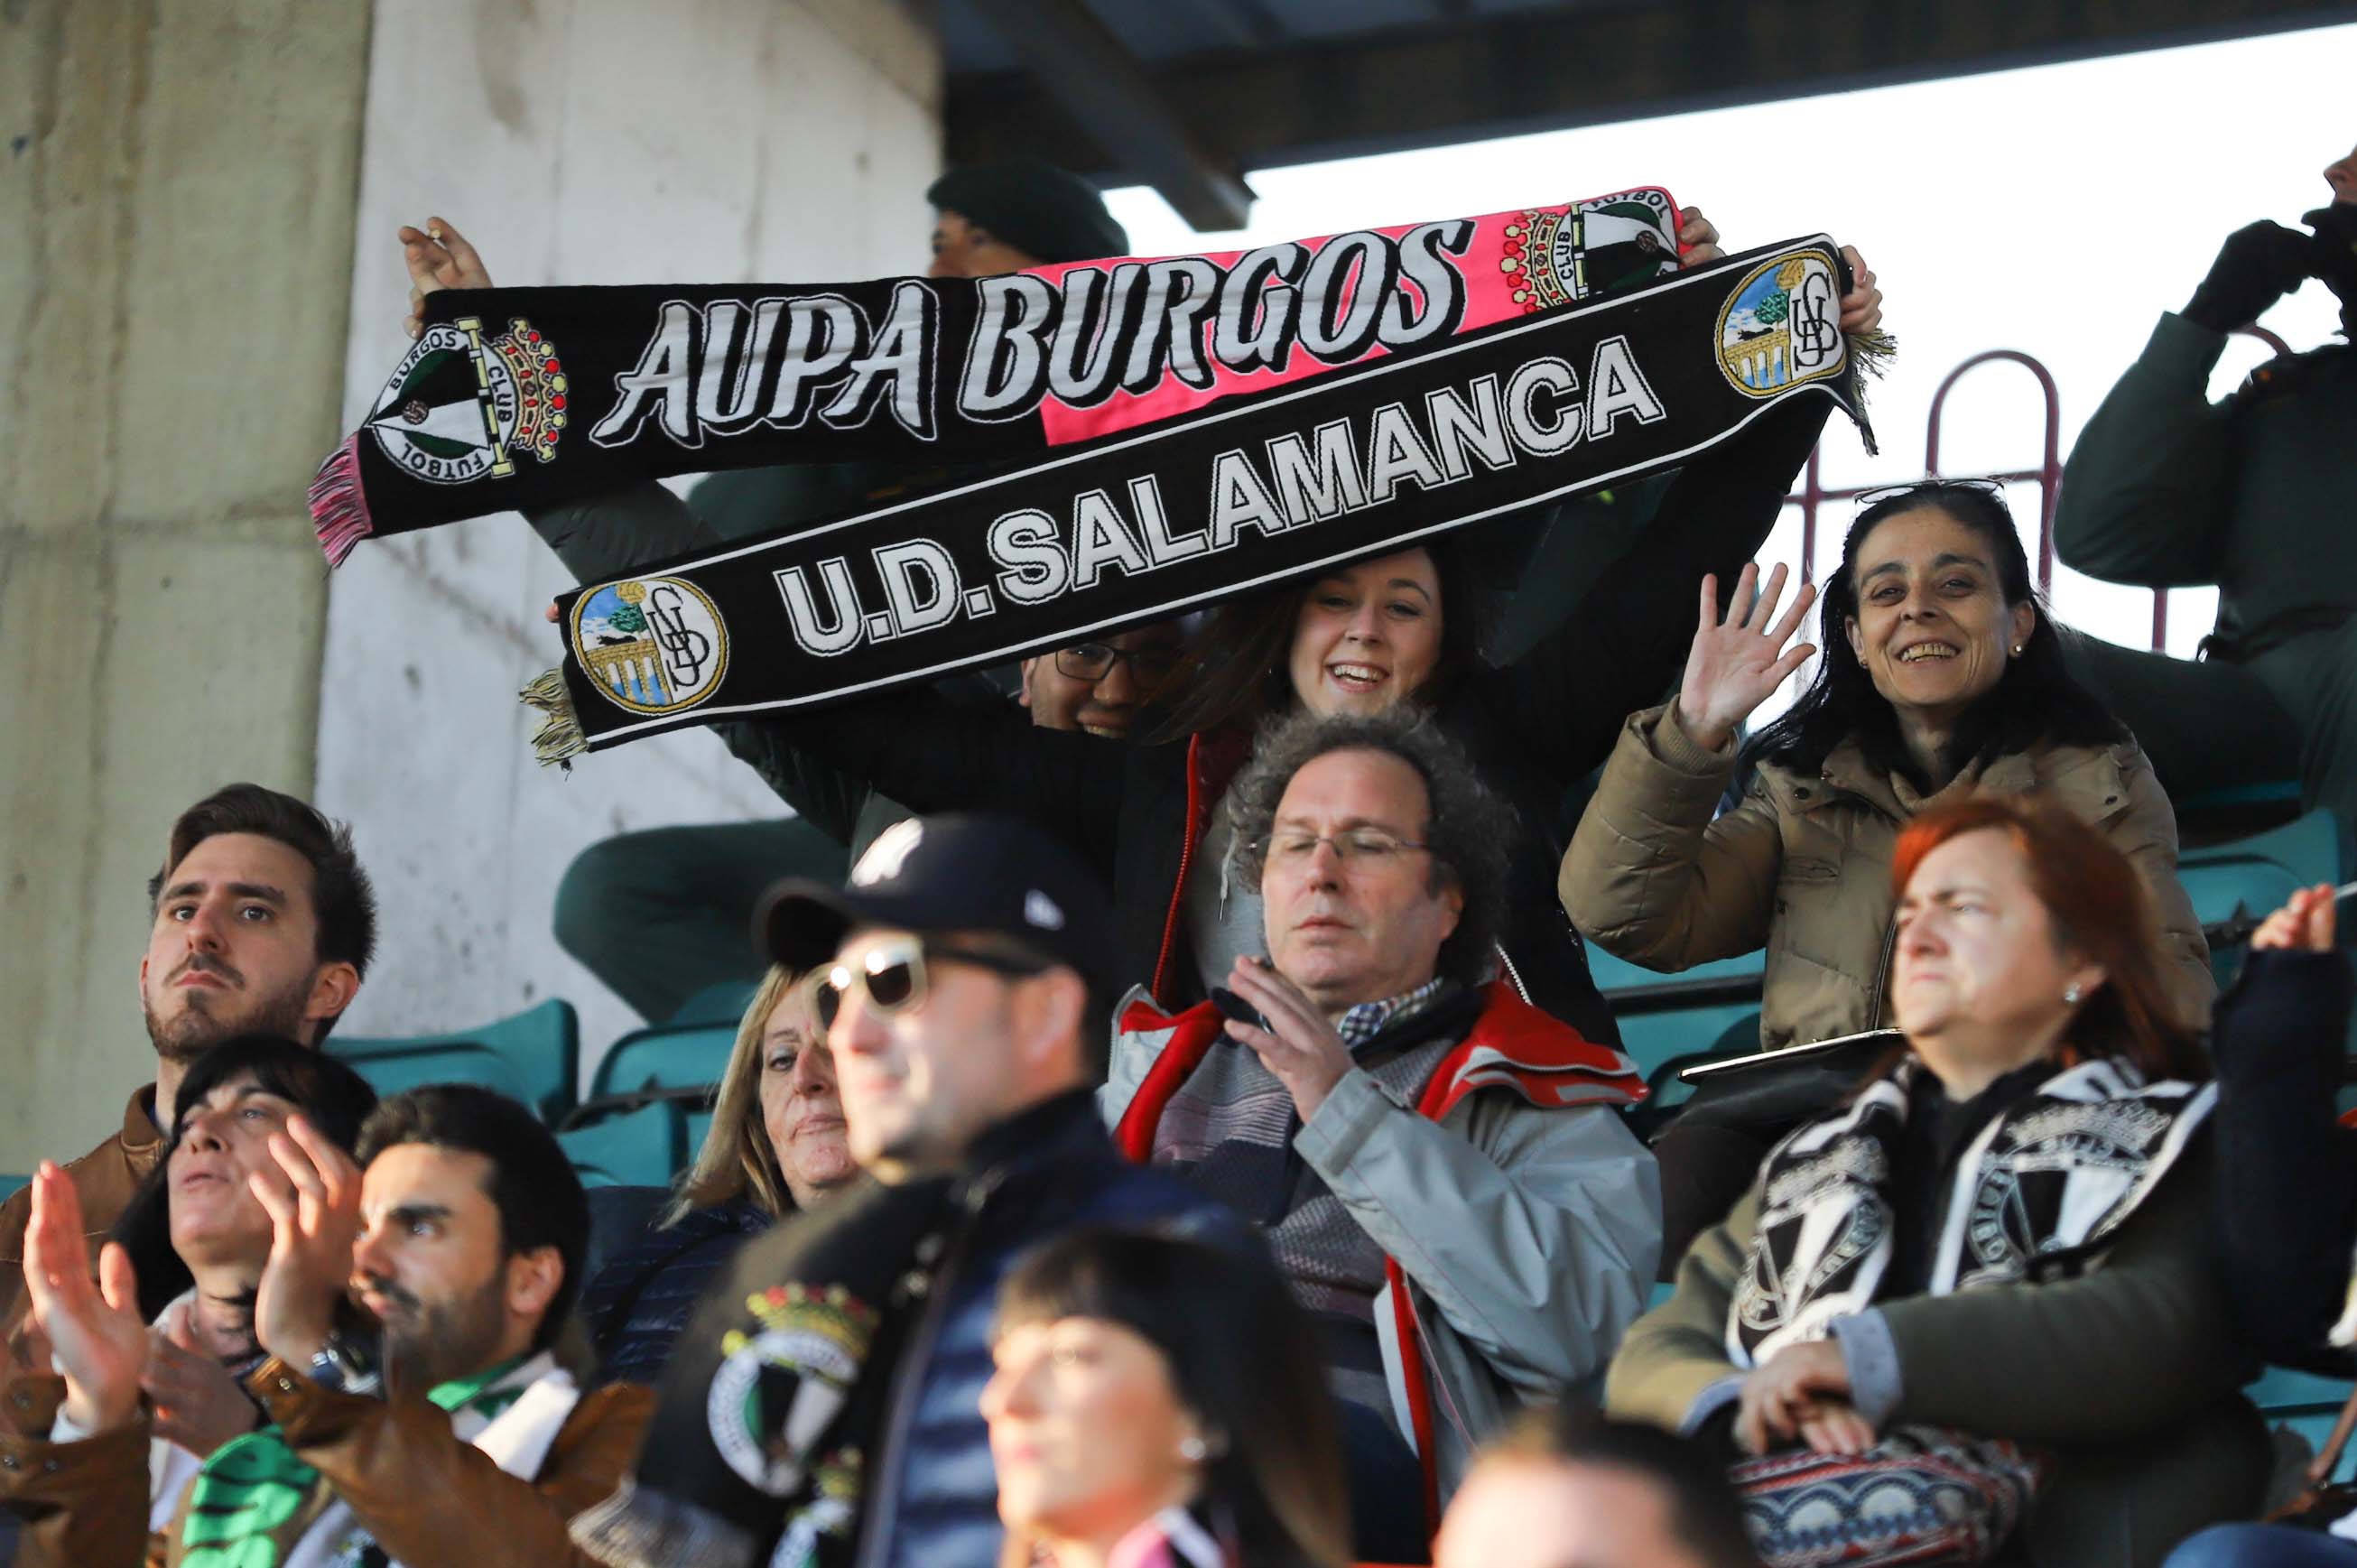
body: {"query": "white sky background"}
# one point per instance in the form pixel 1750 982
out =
pixel 2057 210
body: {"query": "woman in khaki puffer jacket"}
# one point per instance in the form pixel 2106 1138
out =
pixel 1943 676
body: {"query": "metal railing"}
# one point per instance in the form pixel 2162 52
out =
pixel 2047 475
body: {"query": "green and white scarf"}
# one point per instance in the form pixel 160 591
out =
pixel 255 1504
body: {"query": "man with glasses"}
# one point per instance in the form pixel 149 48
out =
pixel 1100 686
pixel 964 975
pixel 1440 1167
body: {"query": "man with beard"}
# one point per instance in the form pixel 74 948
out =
pixel 263 924
pixel 447 1431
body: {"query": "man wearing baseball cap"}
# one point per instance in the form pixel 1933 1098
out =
pixel 965 980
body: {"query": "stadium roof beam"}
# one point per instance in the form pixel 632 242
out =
pixel 1146 112
pixel 1103 91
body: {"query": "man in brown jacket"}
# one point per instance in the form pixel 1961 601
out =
pixel 447 1435
pixel 263 923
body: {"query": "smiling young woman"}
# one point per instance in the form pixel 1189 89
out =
pixel 1942 675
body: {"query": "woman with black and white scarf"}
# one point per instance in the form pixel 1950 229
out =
pixel 1987 1283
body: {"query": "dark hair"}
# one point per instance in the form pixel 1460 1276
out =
pixel 343 905
pixel 1468 829
pixel 330 1095
pixel 533 1184
pixel 1241 658
pixel 1244 1360
pixel 2099 908
pixel 2036 699
pixel 1705 1513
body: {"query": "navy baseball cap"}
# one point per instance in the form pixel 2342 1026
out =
pixel 959 872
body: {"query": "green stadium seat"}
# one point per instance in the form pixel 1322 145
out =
pixel 665 1058
pixel 635 1148
pixel 10 1184
pixel 699 1125
pixel 534 1056
pixel 394 1066
pixel 1688 1035
pixel 2233 885
pixel 1614 974
pixel 1684 1016
pixel 2306 1403
pixel 722 1003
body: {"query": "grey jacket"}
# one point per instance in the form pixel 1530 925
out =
pixel 1527 1234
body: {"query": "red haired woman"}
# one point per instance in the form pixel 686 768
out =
pixel 1985 1282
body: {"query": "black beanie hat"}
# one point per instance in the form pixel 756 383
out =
pixel 1034 206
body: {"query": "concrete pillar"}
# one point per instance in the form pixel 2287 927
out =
pixel 176 191
pixel 574 141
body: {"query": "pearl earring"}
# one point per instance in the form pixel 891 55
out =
pixel 1193 1449
pixel 2016 650
pixel 2071 994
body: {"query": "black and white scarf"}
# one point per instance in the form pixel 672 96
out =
pixel 523 397
pixel 1250 492
pixel 1182 429
pixel 2037 1194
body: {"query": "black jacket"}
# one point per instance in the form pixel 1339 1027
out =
pixel 2286 1168
pixel 932 1497
pixel 639 1303
pixel 1534 728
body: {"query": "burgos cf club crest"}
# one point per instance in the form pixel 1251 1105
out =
pixel 1781 325
pixel 780 1387
pixel 462 406
pixel 654 645
pixel 1590 248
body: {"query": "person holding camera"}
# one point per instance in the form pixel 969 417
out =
pixel 2167 489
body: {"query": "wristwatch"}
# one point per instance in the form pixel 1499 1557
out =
pixel 341 1366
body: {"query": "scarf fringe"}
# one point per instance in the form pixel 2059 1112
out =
pixel 1871 353
pixel 641 1528
pixel 1874 351
pixel 340 511
pixel 559 738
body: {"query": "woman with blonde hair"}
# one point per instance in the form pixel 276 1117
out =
pixel 776 1147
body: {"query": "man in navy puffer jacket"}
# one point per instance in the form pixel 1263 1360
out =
pixel 966 977
pixel 968 1007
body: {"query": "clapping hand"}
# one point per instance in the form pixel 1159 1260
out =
pixel 438 257
pixel 314 1202
pixel 92 1326
pixel 1736 665
pixel 198 1404
pixel 1299 1047
pixel 2307 923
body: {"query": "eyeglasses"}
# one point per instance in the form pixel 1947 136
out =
pixel 893 975
pixel 1362 848
pixel 1093 661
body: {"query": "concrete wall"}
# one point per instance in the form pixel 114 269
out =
pixel 574 141
pixel 177 188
